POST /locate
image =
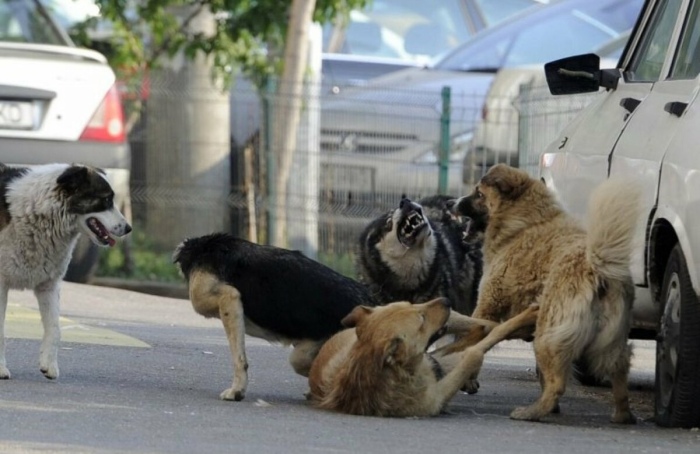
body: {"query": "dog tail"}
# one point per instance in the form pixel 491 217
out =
pixel 613 213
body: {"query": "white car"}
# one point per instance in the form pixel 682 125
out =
pixel 59 103
pixel 646 126
pixel 522 91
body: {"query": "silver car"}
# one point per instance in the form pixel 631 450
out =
pixel 59 103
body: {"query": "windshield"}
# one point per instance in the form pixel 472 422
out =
pixel 26 22
pixel 415 30
pixel 495 11
pixel 579 29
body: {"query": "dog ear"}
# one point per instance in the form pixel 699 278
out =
pixel 395 352
pixel 389 224
pixel 510 183
pixel 356 316
pixel 73 177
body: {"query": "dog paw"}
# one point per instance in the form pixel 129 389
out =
pixel 525 414
pixel 4 373
pixel 623 417
pixel 50 372
pixel 471 386
pixel 233 394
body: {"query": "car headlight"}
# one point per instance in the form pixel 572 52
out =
pixel 459 145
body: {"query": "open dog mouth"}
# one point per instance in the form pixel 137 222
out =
pixel 410 227
pixel 436 335
pixel 100 232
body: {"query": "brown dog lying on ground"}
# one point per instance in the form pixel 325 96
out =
pixel 381 368
pixel 535 252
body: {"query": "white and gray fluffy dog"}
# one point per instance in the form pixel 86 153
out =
pixel 43 209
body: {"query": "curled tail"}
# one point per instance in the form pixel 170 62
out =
pixel 613 213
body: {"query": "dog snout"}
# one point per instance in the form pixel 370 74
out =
pixel 407 206
pixel 442 301
pixel 127 229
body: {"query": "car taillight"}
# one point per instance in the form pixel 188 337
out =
pixel 107 123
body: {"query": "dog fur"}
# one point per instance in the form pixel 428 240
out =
pixel 381 368
pixel 418 252
pixel 43 209
pixel 535 252
pixel 267 292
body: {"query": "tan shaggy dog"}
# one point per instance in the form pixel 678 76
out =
pixel 381 368
pixel 534 252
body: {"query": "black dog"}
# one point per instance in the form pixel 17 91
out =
pixel 267 292
pixel 419 252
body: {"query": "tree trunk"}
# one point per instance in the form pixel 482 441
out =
pixel 188 147
pixel 287 109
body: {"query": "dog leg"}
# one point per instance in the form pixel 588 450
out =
pixel 458 323
pixel 622 414
pixel 303 355
pixel 231 314
pixel 554 368
pixel 48 297
pixel 4 371
pixel 473 357
pixel 615 363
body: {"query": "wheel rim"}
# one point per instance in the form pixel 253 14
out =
pixel 670 334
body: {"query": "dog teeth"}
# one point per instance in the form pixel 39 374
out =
pixel 413 221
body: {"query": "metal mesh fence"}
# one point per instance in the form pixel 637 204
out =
pixel 541 118
pixel 204 160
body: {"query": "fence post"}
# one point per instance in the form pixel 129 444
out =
pixel 270 157
pixel 444 158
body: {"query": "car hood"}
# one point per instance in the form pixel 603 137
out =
pixel 420 85
pixel 408 102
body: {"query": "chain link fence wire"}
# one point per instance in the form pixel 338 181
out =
pixel 541 119
pixel 202 161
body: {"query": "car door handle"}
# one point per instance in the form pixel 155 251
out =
pixel 630 104
pixel 675 108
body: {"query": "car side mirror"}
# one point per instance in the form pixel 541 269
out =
pixel 579 74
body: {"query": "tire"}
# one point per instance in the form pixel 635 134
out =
pixel 84 262
pixel 677 384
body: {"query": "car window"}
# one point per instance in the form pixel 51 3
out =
pixel 687 63
pixel 649 59
pixel 405 29
pixel 575 34
pixel 580 29
pixel 24 21
pixel 495 11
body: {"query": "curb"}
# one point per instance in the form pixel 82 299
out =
pixel 166 289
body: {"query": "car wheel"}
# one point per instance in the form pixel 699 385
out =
pixel 84 262
pixel 677 385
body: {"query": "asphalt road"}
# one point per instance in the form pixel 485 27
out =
pixel 142 373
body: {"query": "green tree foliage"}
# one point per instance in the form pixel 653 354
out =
pixel 249 34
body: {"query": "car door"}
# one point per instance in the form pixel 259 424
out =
pixel 578 162
pixel 642 145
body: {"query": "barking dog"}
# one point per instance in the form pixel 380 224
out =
pixel 43 209
pixel 267 292
pixel 381 368
pixel 419 252
pixel 535 252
